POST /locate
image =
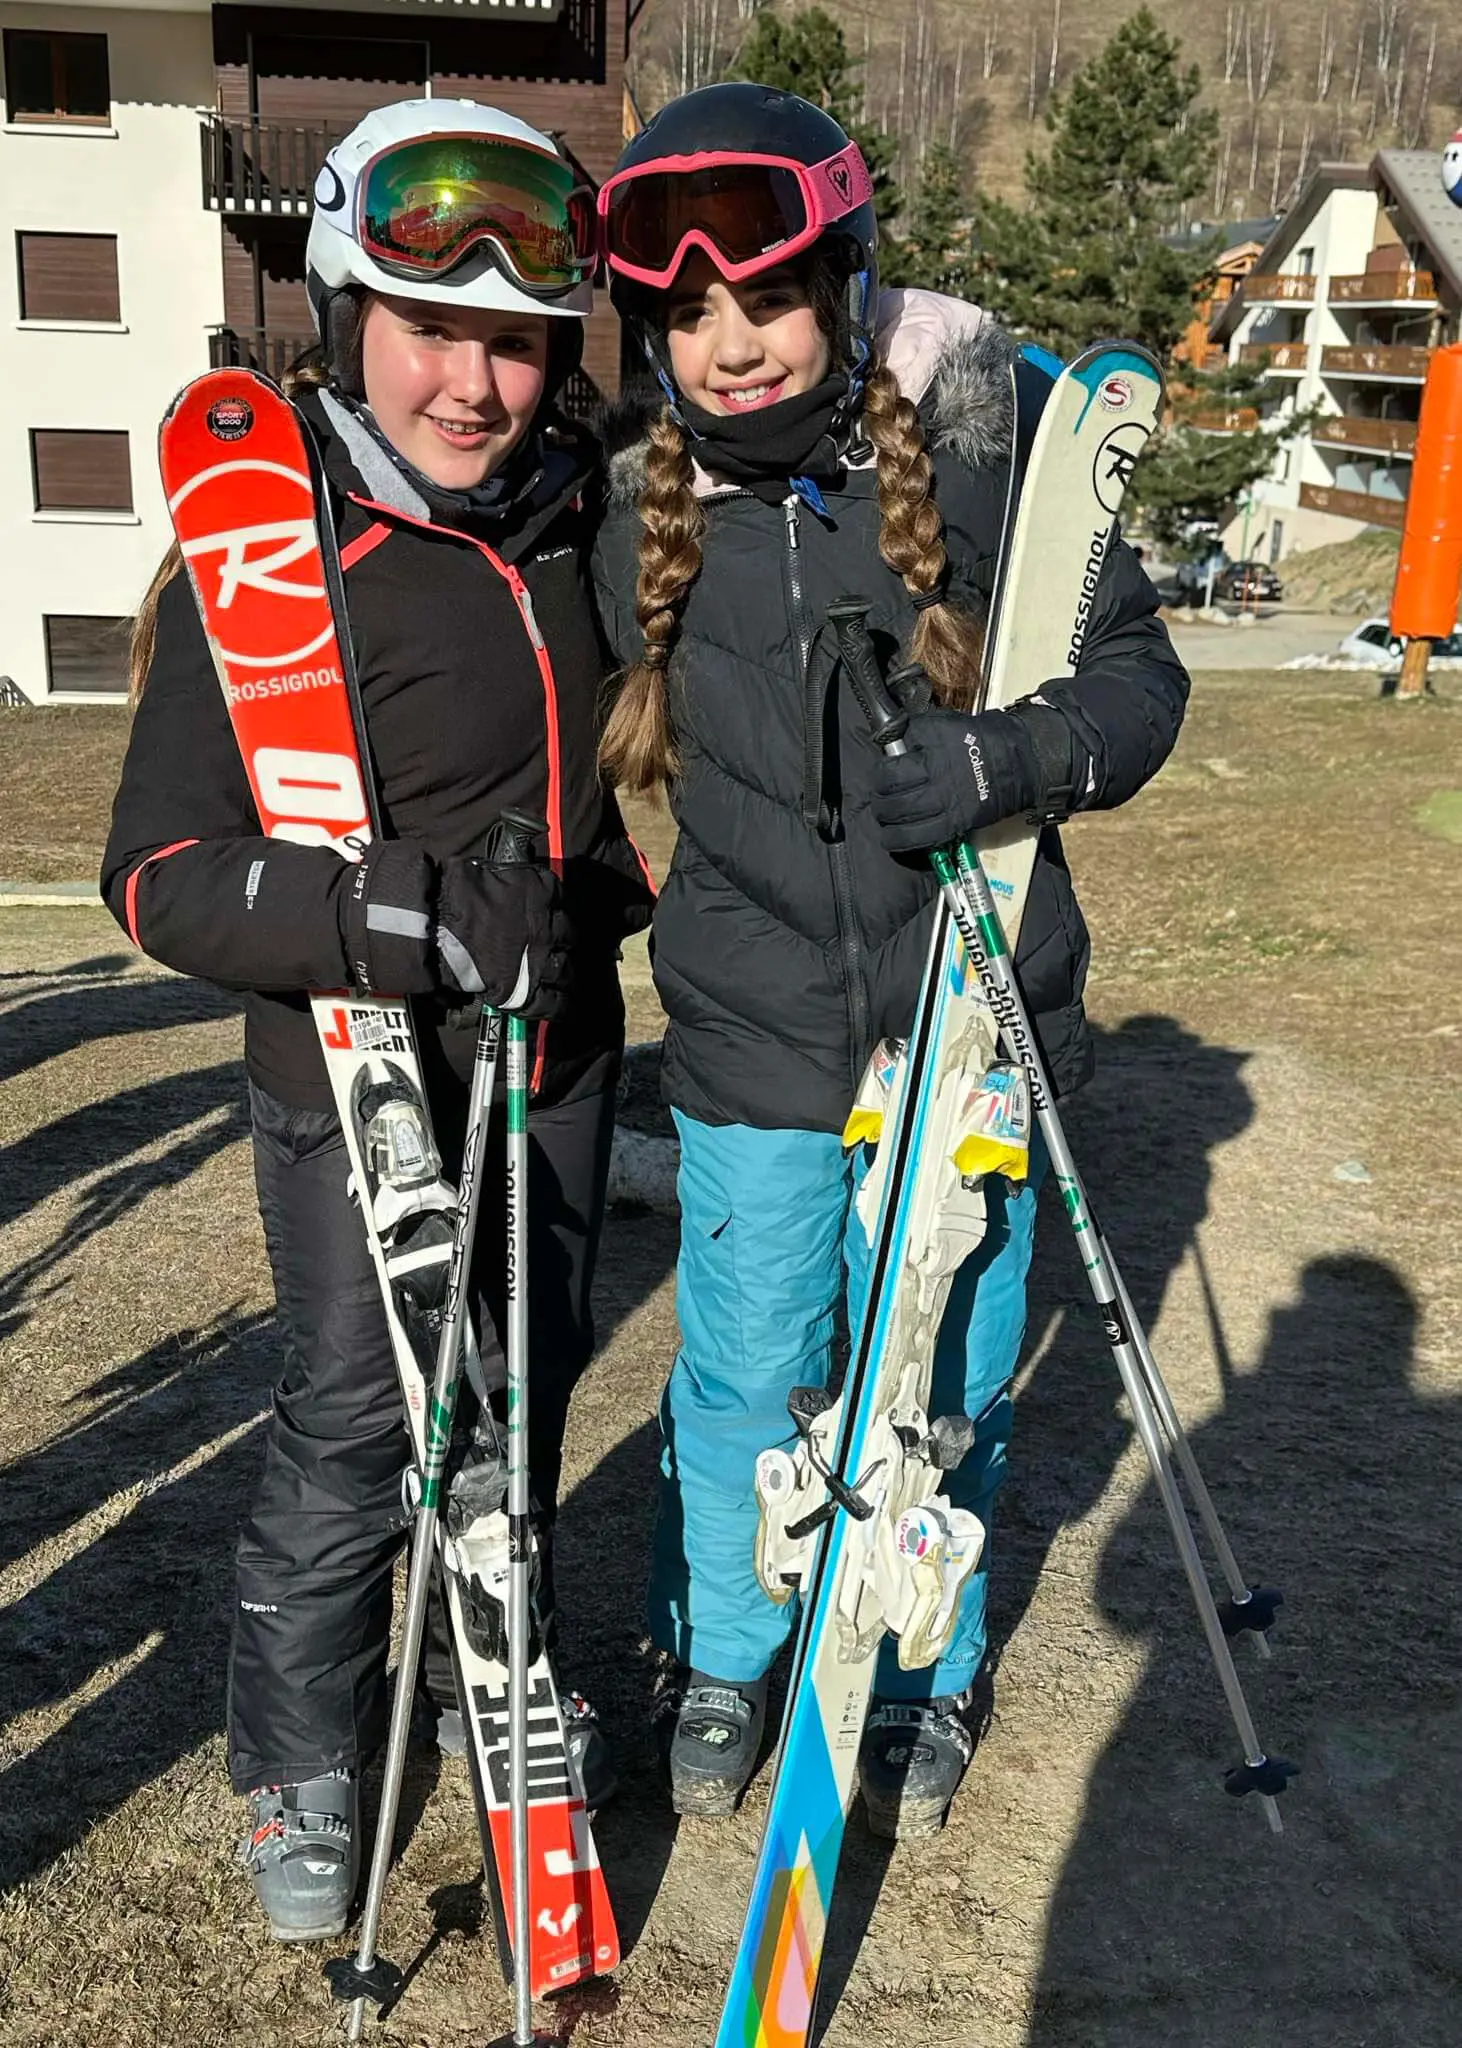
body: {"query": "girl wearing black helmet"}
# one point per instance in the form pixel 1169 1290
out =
pixel 812 437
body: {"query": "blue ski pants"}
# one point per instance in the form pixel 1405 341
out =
pixel 767 1234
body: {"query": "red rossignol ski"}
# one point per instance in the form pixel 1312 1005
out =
pixel 246 496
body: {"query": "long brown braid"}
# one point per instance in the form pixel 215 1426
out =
pixel 638 747
pixel 307 373
pixel 948 643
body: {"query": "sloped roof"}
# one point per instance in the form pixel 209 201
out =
pixel 1322 181
pixel 1413 177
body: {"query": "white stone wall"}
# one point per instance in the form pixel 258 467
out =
pixel 140 180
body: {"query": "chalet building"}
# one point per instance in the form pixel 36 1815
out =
pixel 156 168
pixel 1343 307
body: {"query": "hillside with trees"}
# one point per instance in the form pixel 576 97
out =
pixel 1288 83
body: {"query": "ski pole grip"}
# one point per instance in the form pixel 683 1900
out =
pixel 512 842
pixel 887 719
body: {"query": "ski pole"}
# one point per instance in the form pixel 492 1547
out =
pixel 966 893
pixel 520 1539
pixel 370 1976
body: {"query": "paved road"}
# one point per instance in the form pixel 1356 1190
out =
pixel 1273 640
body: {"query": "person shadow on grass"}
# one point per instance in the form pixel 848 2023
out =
pixel 1178 1915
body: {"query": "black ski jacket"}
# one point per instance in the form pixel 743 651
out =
pixel 786 941
pixel 467 715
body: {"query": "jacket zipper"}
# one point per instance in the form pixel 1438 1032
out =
pixel 850 940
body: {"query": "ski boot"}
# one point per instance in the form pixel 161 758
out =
pixel 914 1754
pixel 711 1733
pixel 303 1853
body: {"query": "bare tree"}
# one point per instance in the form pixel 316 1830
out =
pixel 1254 132
pixel 1030 84
pixel 1360 58
pixel 1388 16
pixel 1233 39
pixel 699 42
pixel 1397 93
pixel 1325 61
pixel 1278 161
pixel 1302 165
pixel 1221 168
pixel 1054 64
pixel 1420 121
pixel 990 42
pixel 956 97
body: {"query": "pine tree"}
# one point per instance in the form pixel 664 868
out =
pixel 1085 257
pixel 937 249
pixel 807 53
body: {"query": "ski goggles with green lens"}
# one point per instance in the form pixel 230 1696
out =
pixel 421 207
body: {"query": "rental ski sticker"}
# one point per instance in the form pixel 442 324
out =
pixel 229 419
pixel 1115 393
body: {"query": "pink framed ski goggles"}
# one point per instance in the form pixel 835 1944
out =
pixel 748 213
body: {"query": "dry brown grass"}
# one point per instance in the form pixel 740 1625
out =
pixel 1276 989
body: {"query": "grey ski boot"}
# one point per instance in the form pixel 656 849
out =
pixel 712 1733
pixel 914 1754
pixel 303 1854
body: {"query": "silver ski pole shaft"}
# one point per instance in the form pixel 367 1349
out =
pixel 519 1536
pixel 369 1977
pixel 967 893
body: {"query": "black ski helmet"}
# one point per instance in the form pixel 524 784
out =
pixel 760 121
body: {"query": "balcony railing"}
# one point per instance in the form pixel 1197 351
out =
pixel 1285 288
pixel 256 348
pixel 1403 365
pixel 263 166
pixel 272 350
pixel 1380 437
pixel 1281 358
pixel 1386 288
pixel 1354 505
pixel 1238 419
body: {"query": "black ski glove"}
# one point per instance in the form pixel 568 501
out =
pixel 415 928
pixel 501 933
pixel 966 770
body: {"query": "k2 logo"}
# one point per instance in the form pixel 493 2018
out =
pixel 560 1927
pixel 840 179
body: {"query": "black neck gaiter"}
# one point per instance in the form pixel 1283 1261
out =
pixel 763 450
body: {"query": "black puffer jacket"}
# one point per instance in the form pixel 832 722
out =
pixel 466 716
pixel 785 945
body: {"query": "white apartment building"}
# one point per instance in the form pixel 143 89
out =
pixel 1358 284
pixel 110 283
pixel 156 170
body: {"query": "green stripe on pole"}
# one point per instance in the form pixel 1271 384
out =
pixel 992 934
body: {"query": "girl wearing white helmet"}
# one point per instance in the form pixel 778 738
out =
pixel 449 265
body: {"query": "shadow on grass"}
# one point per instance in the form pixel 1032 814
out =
pixel 1339 1479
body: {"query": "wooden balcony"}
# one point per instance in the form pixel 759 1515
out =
pixel 256 348
pixel 1354 505
pixel 1278 288
pixel 1385 288
pixel 1395 365
pixel 1238 419
pixel 1373 437
pixel 263 166
pixel 1280 358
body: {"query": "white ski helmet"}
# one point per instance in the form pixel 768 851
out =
pixel 549 230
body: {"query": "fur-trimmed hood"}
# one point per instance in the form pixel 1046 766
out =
pixel 949 357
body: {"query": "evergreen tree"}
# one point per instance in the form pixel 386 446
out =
pixel 1212 448
pixel 937 249
pixel 807 53
pixel 1085 257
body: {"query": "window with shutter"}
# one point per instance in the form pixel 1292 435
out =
pixel 69 277
pixel 86 654
pixel 80 471
pixel 55 76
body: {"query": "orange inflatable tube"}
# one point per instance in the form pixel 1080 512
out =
pixel 1424 602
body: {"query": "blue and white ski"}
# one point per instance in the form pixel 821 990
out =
pixel 884 1550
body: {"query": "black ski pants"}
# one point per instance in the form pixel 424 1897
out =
pixel 307 1669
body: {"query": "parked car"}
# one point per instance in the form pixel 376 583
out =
pixel 1247 583
pixel 1374 642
